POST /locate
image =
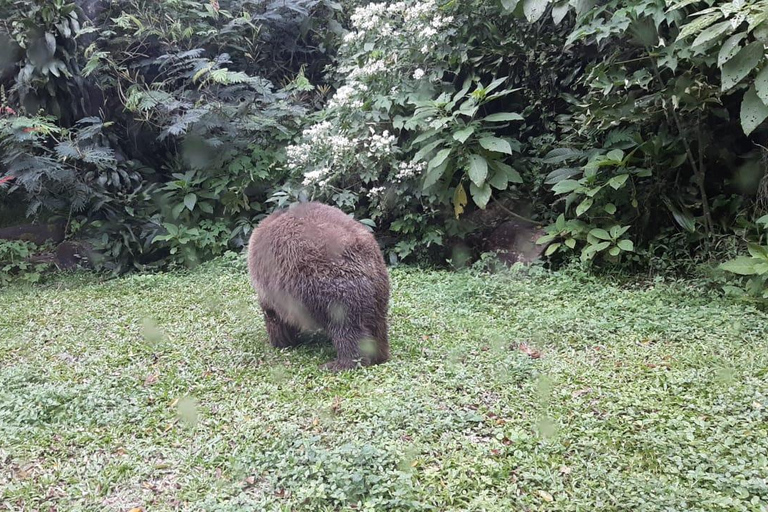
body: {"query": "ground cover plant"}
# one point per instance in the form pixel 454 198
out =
pixel 514 391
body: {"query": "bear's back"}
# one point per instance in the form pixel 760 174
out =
pixel 312 239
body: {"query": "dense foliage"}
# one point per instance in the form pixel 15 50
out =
pixel 156 133
pixel 634 129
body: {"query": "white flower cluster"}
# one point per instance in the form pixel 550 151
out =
pixel 368 16
pixel 322 150
pixel 349 95
pixel 418 10
pixel 417 22
pixel 298 155
pixel 418 74
pixel 367 70
pixel 319 176
pixel 407 170
pixel 380 145
pixel 376 192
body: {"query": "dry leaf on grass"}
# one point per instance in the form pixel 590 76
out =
pixel 529 351
pixel 545 496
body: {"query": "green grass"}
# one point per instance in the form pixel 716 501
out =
pixel 160 391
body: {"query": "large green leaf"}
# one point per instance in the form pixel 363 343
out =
pixel 468 108
pixel 558 155
pixel 582 6
pixel 600 233
pixel 589 251
pixel 712 32
pixel 495 84
pixel 176 210
pixel 755 22
pixel 565 186
pixel 559 10
pixel 561 174
pixel 439 158
pixel 190 200
pixel 511 174
pixel 480 195
pixel 420 154
pixel 584 206
pixel 617 231
pixel 503 175
pixel 496 144
pixel 509 5
pixel 463 134
pixel 698 25
pixel 758 251
pixel 753 111
pixel 741 64
pixel 729 48
pixel 533 9
pixel 560 222
pixel 503 116
pixel 743 265
pixel 477 169
pixel 434 174
pixel 425 135
pixel 50 43
pixel 761 84
pixel 545 239
pixel 552 248
pixel 618 181
pixel 499 180
pixel 683 218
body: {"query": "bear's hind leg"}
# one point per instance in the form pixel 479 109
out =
pixel 281 335
pixel 352 348
pixel 380 342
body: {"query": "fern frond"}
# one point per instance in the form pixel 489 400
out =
pixel 99 156
pixel 66 149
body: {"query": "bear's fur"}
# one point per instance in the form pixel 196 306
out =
pixel 314 267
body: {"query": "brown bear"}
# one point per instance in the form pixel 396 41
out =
pixel 313 267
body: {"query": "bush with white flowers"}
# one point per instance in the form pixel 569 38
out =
pixel 401 141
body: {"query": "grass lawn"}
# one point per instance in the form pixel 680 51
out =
pixel 160 391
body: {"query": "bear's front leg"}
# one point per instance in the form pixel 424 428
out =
pixel 281 335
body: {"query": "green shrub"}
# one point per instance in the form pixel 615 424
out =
pixel 166 129
pixel 414 133
pixel 754 266
pixel 159 123
pixel 655 139
pixel 15 262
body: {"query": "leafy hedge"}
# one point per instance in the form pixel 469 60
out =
pixel 154 127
